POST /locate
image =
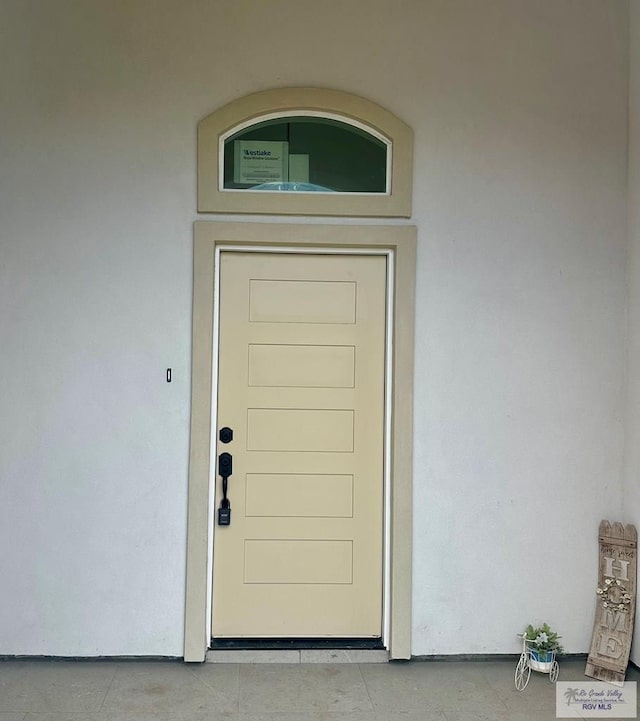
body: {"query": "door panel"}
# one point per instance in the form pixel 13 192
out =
pixel 301 383
pixel 302 366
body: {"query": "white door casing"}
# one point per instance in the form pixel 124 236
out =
pixel 399 241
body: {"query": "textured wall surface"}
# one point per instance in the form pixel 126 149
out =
pixel 519 110
pixel 632 447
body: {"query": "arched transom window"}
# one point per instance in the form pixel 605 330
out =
pixel 304 151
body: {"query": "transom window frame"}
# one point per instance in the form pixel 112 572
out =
pixel 290 102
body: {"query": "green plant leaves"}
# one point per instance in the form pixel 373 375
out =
pixel 542 638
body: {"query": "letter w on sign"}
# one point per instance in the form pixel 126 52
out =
pixel 613 625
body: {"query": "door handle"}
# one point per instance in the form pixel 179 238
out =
pixel 225 465
pixel 225 468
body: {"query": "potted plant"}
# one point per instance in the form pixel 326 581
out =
pixel 543 645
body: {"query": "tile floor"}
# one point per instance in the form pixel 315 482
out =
pixel 172 691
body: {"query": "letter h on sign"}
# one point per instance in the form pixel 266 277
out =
pixel 610 568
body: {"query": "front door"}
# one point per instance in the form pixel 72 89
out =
pixel 301 385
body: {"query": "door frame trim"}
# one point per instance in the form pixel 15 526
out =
pixel 208 237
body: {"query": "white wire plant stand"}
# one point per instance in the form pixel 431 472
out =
pixel 533 659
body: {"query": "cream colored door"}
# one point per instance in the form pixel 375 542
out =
pixel 301 384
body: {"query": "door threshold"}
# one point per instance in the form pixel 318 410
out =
pixel 295 644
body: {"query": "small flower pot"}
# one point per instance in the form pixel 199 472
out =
pixel 541 660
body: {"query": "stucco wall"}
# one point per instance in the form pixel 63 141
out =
pixel 632 455
pixel 519 110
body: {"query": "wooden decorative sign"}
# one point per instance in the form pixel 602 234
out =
pixel 613 625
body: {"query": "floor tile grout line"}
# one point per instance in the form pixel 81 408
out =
pixel 113 678
pixel 238 689
pixel 210 688
pixel 493 689
pixel 366 687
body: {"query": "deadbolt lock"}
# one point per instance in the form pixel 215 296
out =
pixel 225 435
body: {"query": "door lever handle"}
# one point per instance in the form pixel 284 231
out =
pixel 225 465
pixel 225 468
